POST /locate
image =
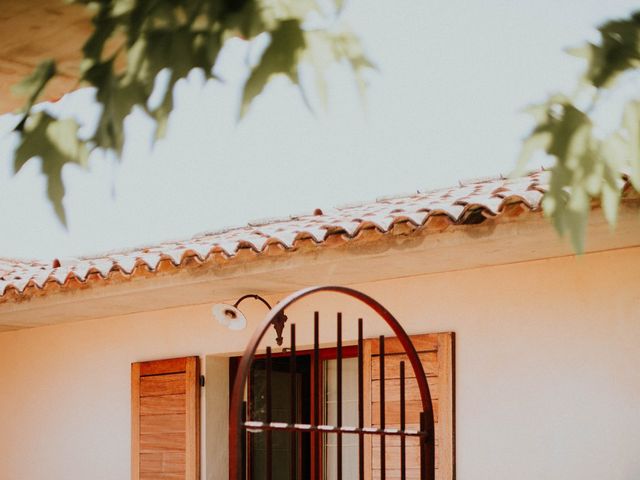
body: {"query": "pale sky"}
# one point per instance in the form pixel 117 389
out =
pixel 446 104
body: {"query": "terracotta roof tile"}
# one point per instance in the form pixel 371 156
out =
pixel 459 204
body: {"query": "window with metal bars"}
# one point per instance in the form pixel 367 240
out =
pixel 386 423
pixel 435 352
pixel 307 396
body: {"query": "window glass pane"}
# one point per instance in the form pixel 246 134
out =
pixel 281 412
pixel 349 417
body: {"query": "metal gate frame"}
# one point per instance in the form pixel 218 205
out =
pixel 238 426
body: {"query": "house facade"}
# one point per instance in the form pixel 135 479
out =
pixel 531 352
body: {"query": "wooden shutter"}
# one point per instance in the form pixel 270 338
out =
pixel 436 353
pixel 165 419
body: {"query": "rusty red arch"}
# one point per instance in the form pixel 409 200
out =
pixel 235 413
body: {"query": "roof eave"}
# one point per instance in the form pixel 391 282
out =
pixel 371 256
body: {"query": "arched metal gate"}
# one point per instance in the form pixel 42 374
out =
pixel 238 426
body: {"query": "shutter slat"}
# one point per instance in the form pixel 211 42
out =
pixel 170 384
pixel 392 413
pixel 162 476
pixel 394 474
pixel 172 365
pixel 392 365
pixel 167 462
pixel 175 423
pixel 412 392
pixel 161 442
pixel 162 405
pixel 422 343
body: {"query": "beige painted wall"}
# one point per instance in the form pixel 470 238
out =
pixel 548 384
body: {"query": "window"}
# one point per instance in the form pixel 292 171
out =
pixel 349 417
pixel 436 353
pixel 281 412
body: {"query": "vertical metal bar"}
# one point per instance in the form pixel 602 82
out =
pixel 339 395
pixel 268 439
pixel 293 467
pixel 403 459
pixel 360 403
pixel 317 396
pixel 383 456
pixel 427 448
pixel 246 442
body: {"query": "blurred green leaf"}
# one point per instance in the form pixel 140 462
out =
pixel 580 52
pixel 348 47
pixel 611 193
pixel 33 85
pixel 280 57
pixel 631 128
pixel 617 52
pixel 537 140
pixel 59 139
pixel 122 7
pixel 589 169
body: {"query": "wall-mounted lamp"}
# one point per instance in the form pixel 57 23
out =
pixel 231 317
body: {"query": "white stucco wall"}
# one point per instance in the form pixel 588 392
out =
pixel 547 355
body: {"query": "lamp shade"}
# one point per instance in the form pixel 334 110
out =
pixel 229 316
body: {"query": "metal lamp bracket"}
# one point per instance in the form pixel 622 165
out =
pixel 279 320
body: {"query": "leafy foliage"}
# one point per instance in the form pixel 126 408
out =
pixel 59 139
pixel 588 167
pixel 133 41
